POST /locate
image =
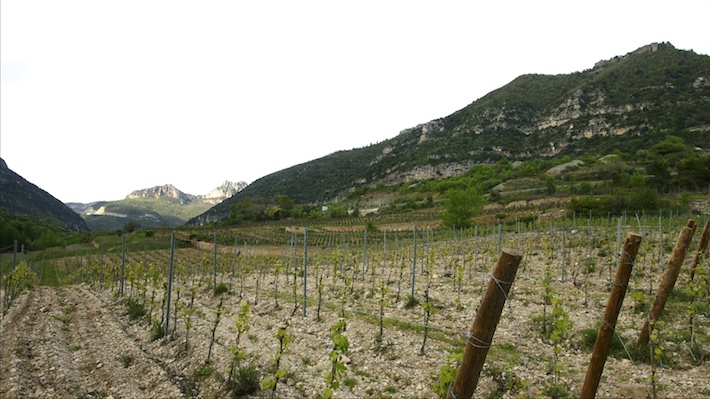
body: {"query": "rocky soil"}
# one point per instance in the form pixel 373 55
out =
pixel 67 343
pixel 77 342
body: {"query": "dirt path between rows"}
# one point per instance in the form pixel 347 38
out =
pixel 65 343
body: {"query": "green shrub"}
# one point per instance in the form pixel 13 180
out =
pixel 203 371
pixel 220 289
pixel 126 360
pixel 246 381
pixel 134 309
pixel 157 331
pixel 411 303
pixel 350 382
pixel 616 347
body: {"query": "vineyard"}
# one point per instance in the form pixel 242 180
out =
pixel 355 310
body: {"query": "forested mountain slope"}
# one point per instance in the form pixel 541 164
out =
pixel 627 103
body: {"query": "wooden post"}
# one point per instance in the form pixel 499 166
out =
pixel 669 278
pixel 702 249
pixel 484 326
pixel 611 314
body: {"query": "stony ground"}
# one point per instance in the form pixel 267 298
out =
pixel 67 343
pixel 77 342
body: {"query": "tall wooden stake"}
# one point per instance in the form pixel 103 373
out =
pixel 484 326
pixel 669 278
pixel 702 249
pixel 611 314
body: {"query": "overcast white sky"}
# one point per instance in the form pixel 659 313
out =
pixel 100 98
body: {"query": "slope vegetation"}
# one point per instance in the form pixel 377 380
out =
pixel 627 103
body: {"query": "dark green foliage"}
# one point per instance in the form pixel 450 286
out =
pixel 204 371
pixel 18 197
pixel 131 226
pixel 589 338
pixel 460 207
pixel 550 185
pixel 617 349
pixel 126 360
pixel 134 309
pixel 157 331
pixel 640 199
pixel 411 303
pixel 371 228
pixel 34 233
pixel 261 209
pixel 391 389
pixel 246 381
pixel 220 289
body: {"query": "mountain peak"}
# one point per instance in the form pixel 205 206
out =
pixel 649 48
pixel 173 194
pixel 167 191
pixel 224 191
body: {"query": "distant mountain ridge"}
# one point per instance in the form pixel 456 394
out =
pixel 19 196
pixel 159 206
pixel 167 192
pixel 624 103
pixel 170 192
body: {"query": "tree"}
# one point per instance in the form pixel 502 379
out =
pixel 460 207
pixel 248 209
pixel 284 202
pixel 131 226
pixel 550 185
pixel 671 145
pixel 694 172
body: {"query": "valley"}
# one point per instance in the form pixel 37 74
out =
pixel 359 274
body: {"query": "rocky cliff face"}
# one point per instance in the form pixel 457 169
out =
pixel 173 194
pixel 226 190
pixel 619 101
pixel 167 191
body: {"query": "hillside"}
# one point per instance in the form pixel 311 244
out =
pixel 627 103
pixel 20 198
